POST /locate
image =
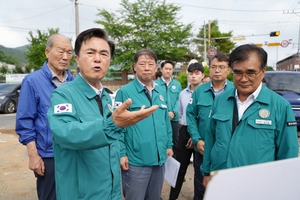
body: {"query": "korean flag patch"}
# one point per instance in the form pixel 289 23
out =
pixel 191 101
pixel 63 108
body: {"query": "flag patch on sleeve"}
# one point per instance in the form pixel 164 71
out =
pixel 63 108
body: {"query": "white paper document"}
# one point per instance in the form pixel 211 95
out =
pixel 171 170
pixel 271 180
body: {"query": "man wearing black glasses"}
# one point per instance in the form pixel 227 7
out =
pixel 249 124
pixel 197 113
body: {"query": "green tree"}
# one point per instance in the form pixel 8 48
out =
pixel 182 78
pixel 9 59
pixel 146 24
pixel 3 69
pixel 36 50
pixel 220 41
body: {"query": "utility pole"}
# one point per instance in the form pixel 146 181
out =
pixel 76 18
pixel 296 13
pixel 209 34
pixel 205 52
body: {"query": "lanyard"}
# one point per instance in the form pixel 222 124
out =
pixel 98 100
pixel 148 95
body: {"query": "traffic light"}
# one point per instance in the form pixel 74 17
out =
pixel 275 34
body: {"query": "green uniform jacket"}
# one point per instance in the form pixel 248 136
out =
pixel 174 89
pixel 266 132
pixel 86 147
pixel 146 142
pixel 198 109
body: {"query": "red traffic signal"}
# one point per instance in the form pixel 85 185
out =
pixel 275 34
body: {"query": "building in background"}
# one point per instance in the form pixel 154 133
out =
pixel 290 63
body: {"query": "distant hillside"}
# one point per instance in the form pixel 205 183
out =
pixel 17 52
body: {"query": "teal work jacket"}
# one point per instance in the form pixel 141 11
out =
pixel 146 142
pixel 173 91
pixel 198 109
pixel 266 132
pixel 86 147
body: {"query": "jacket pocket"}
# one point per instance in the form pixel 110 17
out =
pixel 221 117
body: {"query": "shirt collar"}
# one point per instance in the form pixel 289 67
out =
pixel 98 92
pixel 165 80
pixel 55 76
pixel 153 84
pixel 254 95
pixel 189 88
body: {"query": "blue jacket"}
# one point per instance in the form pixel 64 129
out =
pixel 31 120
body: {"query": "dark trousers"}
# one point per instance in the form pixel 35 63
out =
pixel 174 136
pixel 45 185
pixel 183 156
pixel 199 189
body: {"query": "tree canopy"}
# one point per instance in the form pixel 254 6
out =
pixel 146 24
pixel 220 41
pixel 36 50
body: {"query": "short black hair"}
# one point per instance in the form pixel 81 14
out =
pixel 195 66
pixel 165 62
pixel 243 53
pixel 93 32
pixel 158 74
pixel 220 57
pixel 145 52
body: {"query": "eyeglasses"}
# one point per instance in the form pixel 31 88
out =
pixel 248 74
pixel 215 67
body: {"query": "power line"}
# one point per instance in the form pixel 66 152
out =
pixel 224 9
pixel 37 15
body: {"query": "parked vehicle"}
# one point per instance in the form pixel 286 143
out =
pixel 9 97
pixel 286 84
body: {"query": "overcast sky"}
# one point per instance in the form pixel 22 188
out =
pixel 253 19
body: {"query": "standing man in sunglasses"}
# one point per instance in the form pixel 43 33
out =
pixel 249 124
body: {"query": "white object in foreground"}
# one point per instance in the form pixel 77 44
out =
pixel 171 170
pixel 273 180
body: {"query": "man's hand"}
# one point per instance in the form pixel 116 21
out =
pixel 200 146
pixel 171 115
pixel 124 163
pixel 206 179
pixel 36 164
pixel 189 144
pixel 122 117
pixel 170 152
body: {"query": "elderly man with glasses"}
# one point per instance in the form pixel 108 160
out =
pixel 249 124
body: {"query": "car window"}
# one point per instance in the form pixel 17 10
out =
pixel 6 88
pixel 283 82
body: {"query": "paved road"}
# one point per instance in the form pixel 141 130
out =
pixel 8 121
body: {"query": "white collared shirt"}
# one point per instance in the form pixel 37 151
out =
pixel 95 89
pixel 242 106
pixel 153 86
pixel 165 80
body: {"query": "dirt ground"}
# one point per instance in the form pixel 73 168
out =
pixel 17 182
